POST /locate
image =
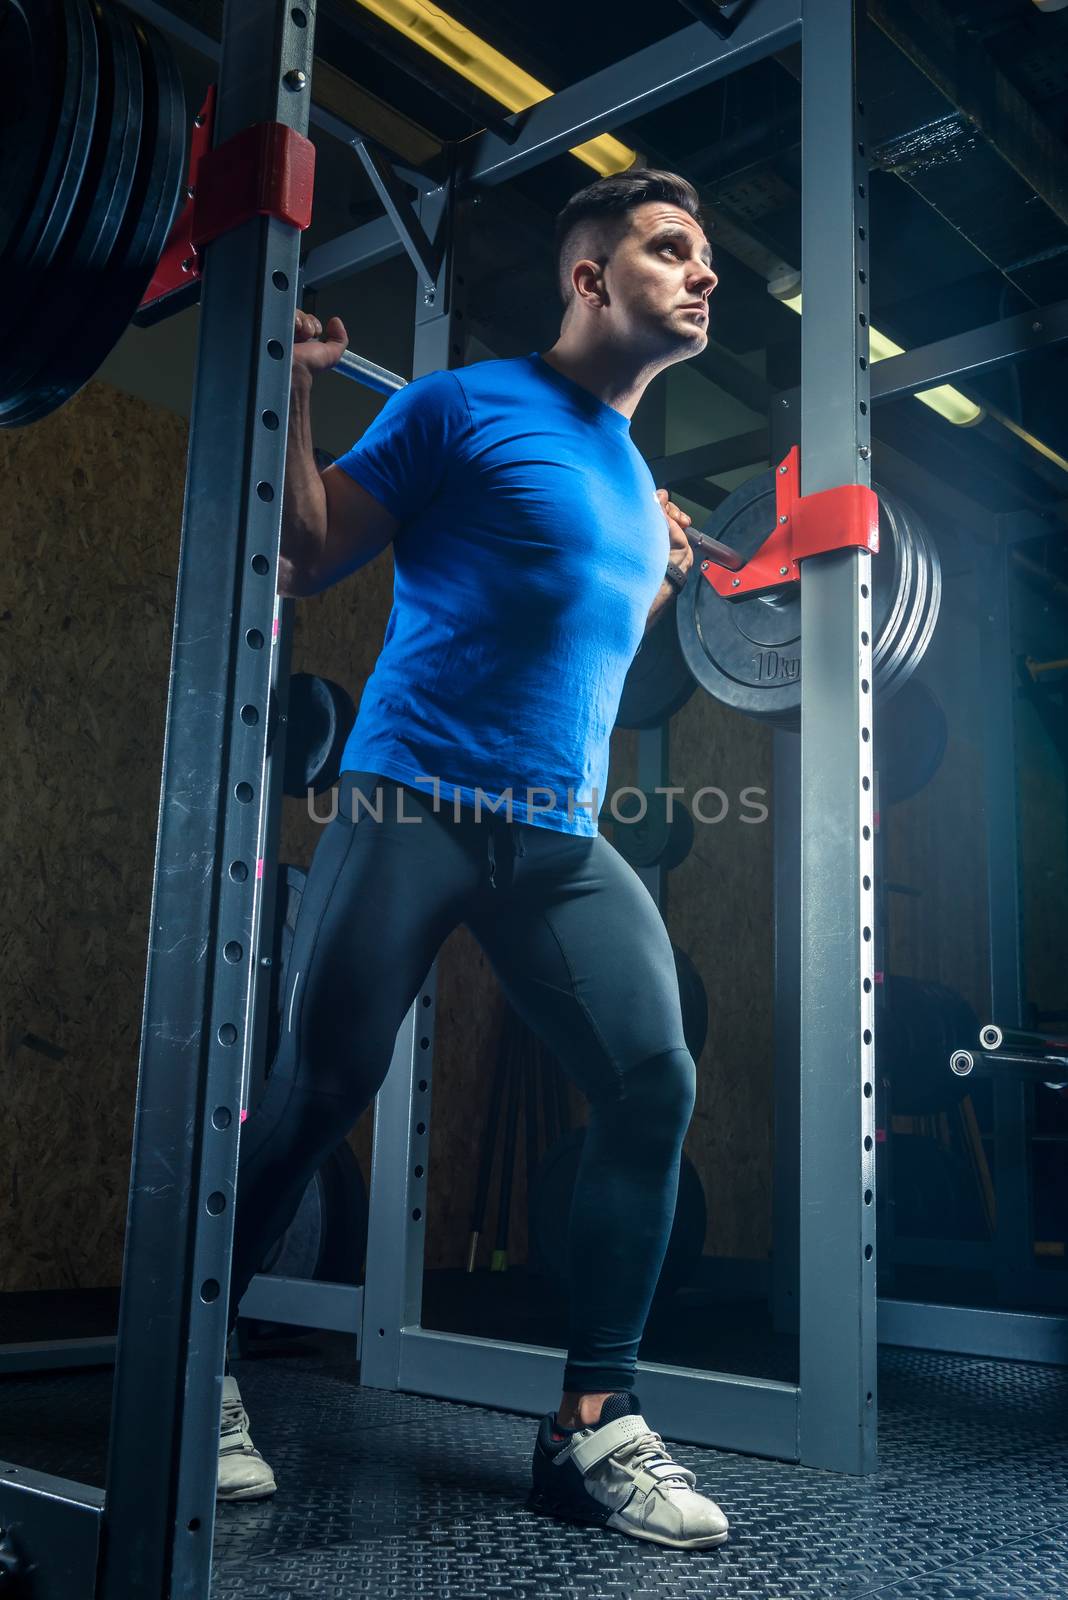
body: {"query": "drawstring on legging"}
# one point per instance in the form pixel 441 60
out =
pixel 492 861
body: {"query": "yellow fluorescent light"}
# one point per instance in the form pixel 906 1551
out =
pixel 946 400
pixel 442 36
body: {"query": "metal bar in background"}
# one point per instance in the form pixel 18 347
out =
pixel 754 1415
pixel 306 1303
pixel 653 77
pixel 656 76
pixel 838 1298
pixel 422 252
pixel 200 986
pixel 355 251
pixel 396 1227
pixel 708 460
pixel 1013 1100
pixel 973 1331
pixel 56 1526
pixel 786 1139
pixel 978 350
pixel 48 1355
pixel 328 82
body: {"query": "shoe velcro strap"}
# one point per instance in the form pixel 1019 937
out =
pixel 588 1452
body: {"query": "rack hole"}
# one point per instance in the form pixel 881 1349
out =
pixel 275 349
pixel 227 1033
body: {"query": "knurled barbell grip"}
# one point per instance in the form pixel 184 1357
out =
pixel 715 550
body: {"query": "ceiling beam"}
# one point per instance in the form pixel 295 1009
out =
pixel 960 65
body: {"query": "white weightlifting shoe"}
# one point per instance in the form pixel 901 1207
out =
pixel 617 1474
pixel 243 1473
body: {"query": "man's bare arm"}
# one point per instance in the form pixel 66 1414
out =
pixel 331 526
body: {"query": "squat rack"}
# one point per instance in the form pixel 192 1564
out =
pixel 150 1532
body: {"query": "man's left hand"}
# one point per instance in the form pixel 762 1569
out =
pixel 681 553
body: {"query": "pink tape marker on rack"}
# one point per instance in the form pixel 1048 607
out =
pixel 259 869
pixel 274 629
pixel 244 1114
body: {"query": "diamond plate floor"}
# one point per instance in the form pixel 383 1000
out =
pixel 397 1496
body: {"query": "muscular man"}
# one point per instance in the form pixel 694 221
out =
pixel 530 549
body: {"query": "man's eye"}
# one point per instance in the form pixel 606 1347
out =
pixel 672 247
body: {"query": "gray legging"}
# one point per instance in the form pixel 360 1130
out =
pixel 583 956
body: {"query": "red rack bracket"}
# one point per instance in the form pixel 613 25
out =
pixel 265 170
pixel 805 525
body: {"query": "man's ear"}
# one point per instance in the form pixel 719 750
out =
pixel 587 278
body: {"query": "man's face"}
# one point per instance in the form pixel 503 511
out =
pixel 659 278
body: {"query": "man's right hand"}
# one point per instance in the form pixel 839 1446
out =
pixel 313 353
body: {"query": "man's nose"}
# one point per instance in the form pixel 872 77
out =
pixel 705 281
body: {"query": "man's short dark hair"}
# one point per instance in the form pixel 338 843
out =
pixel 601 210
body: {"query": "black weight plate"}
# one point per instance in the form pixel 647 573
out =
pixel 31 244
pixel 550 1212
pixel 681 842
pixel 320 717
pixel 642 834
pixel 747 653
pixel 30 114
pixel 658 682
pixel 694 1002
pixel 157 188
pixel 78 276
pixel 109 180
pixel 910 741
pixel 298 1252
pixel 30 253
pixel 345 1246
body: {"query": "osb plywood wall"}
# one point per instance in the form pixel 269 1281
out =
pixel 92 503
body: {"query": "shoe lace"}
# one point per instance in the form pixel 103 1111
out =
pixel 234 1417
pixel 648 1450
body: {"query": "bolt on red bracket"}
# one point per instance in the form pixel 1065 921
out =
pixel 805 525
pixel 264 170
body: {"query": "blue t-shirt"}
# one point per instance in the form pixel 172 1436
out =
pixel 530 549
